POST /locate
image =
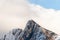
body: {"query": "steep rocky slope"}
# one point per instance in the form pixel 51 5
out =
pixel 32 31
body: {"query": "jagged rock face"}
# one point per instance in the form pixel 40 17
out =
pixel 32 31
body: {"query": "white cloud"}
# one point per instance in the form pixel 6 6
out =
pixel 48 18
pixel 15 13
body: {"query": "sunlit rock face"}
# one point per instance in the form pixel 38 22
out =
pixel 32 31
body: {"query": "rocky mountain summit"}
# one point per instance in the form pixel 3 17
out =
pixel 32 31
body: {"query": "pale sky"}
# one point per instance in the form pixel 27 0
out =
pixel 53 4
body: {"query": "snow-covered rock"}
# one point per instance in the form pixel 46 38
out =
pixel 32 31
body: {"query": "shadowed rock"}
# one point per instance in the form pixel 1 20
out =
pixel 33 32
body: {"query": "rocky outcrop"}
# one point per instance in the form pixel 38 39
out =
pixel 32 31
